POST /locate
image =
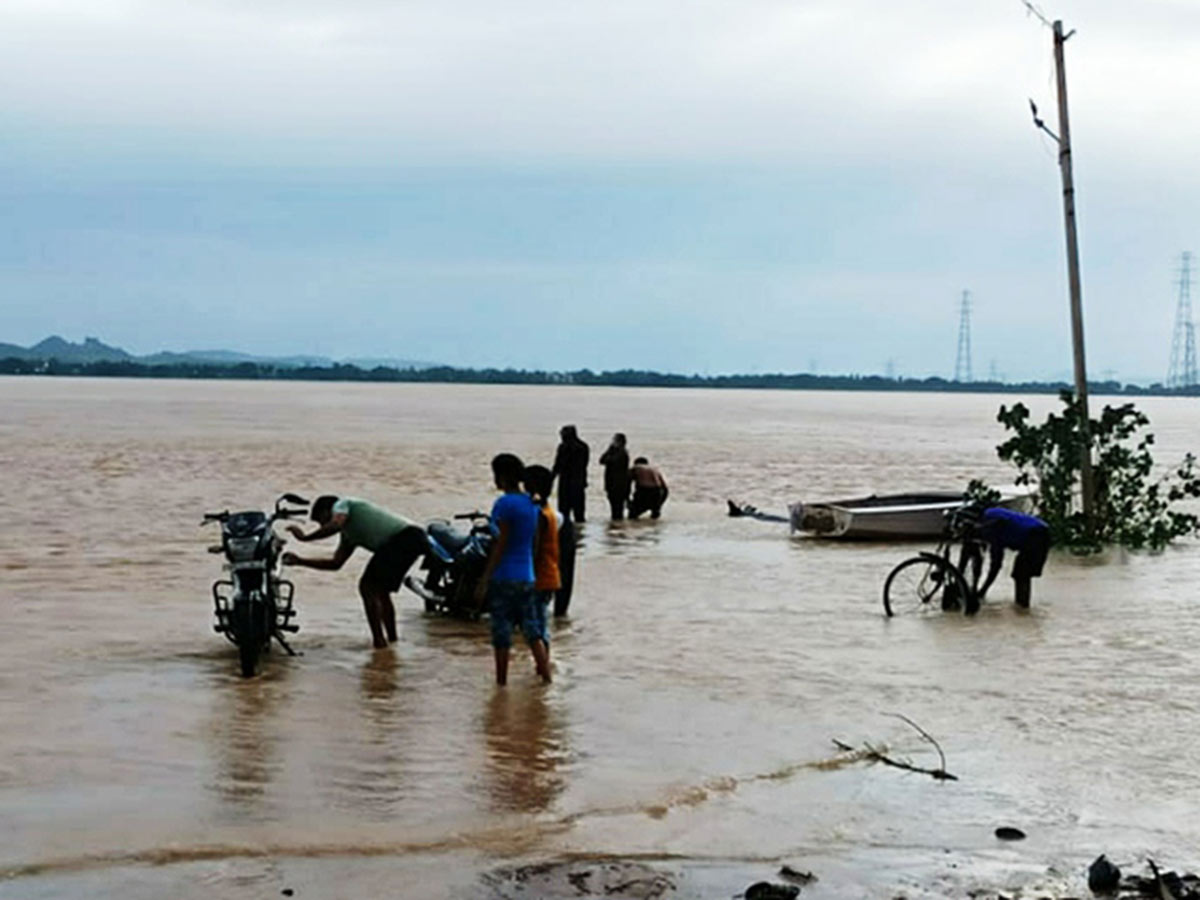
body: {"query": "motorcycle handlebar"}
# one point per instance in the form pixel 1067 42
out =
pixel 471 515
pixel 279 513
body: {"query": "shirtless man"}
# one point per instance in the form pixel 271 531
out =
pixel 649 489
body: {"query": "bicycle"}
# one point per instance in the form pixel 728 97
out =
pixel 933 582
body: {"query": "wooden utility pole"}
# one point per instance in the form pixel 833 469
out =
pixel 1068 180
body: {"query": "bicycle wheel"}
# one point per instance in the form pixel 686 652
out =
pixel 920 584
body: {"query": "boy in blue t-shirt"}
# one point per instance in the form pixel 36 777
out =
pixel 507 581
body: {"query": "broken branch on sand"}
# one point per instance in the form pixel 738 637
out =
pixel 875 754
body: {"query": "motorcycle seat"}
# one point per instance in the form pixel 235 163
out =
pixel 448 538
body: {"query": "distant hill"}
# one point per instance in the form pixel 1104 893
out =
pixel 93 350
pixel 55 347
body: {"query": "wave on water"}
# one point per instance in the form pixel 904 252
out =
pixel 502 840
pixel 506 839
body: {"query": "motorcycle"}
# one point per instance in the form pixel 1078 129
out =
pixel 452 564
pixel 254 604
pixel 455 560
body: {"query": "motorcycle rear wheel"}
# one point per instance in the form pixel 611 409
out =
pixel 463 605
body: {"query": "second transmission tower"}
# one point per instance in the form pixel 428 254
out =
pixel 1182 372
pixel 962 360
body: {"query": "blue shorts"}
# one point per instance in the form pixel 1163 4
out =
pixel 511 604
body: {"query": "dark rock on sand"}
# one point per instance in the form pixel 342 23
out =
pixel 1103 876
pixel 764 890
pixel 1008 833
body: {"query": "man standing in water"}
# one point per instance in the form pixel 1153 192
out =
pixel 649 489
pixel 616 475
pixel 394 542
pixel 507 583
pixel 570 468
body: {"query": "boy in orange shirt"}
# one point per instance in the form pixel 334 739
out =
pixel 547 578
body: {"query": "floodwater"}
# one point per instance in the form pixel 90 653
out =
pixel 704 671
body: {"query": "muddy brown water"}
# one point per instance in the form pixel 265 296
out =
pixel 705 668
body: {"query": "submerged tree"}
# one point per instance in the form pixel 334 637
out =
pixel 1132 505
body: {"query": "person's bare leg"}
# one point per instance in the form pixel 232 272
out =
pixel 501 654
pixel 1023 588
pixel 388 614
pixel 370 599
pixel 541 657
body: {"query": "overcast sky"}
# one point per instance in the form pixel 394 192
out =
pixel 688 185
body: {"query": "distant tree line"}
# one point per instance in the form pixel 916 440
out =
pixel 618 378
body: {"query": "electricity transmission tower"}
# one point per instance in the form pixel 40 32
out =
pixel 962 360
pixel 1182 373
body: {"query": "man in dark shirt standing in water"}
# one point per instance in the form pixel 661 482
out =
pixel 616 475
pixel 394 542
pixel 570 468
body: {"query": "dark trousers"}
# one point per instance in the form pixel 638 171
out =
pixel 647 499
pixel 616 503
pixel 566 568
pixel 391 562
pixel 571 502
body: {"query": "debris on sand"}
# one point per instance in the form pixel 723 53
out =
pixel 614 879
pixel 796 876
pixel 1160 885
pixel 878 754
pixel 1104 879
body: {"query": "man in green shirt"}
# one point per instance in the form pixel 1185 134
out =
pixel 393 541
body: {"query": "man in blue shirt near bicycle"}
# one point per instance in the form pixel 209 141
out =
pixel 1004 529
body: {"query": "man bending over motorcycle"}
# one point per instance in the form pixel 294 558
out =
pixel 394 542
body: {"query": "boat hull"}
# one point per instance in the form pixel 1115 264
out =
pixel 889 517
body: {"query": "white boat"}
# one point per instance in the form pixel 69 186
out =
pixel 890 516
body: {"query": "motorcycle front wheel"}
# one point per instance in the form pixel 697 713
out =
pixel 251 635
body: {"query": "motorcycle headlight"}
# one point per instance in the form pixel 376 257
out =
pixel 242 549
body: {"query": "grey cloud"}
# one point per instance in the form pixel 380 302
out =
pixel 657 79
